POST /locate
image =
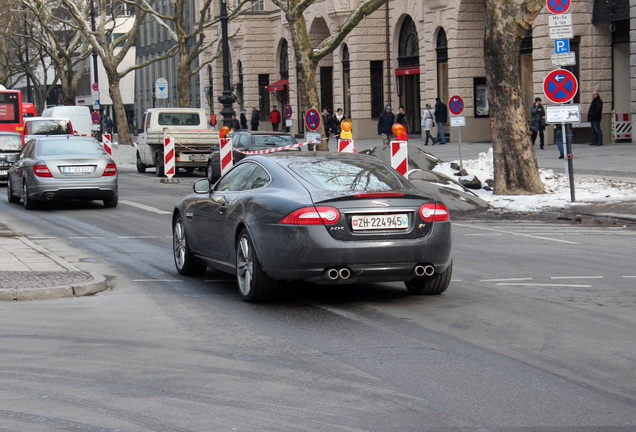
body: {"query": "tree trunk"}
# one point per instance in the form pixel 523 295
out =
pixel 118 105
pixel 516 170
pixel 183 77
pixel 306 68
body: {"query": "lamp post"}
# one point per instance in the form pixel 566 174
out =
pixel 226 98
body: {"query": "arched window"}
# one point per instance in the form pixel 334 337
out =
pixel 284 61
pixel 409 49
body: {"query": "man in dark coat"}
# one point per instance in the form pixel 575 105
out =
pixel 243 118
pixel 441 117
pixel 256 118
pixel 385 123
pixel 594 116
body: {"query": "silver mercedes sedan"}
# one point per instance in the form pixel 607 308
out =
pixel 63 167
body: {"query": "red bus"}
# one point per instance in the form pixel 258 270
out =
pixel 28 110
pixel 11 111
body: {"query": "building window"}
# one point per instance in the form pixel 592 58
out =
pixel 377 88
pixel 259 6
pixel 409 49
pixel 263 95
pixel 482 109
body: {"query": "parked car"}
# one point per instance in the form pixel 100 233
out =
pixel 322 217
pixel 244 140
pixel 40 126
pixel 63 168
pixel 10 148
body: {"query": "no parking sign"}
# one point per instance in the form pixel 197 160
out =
pixel 456 105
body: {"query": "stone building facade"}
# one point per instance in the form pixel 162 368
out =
pixel 408 53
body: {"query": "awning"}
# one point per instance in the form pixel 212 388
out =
pixel 411 70
pixel 278 85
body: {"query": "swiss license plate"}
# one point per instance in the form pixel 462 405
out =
pixel 380 222
pixel 77 169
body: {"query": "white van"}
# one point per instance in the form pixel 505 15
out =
pixel 80 117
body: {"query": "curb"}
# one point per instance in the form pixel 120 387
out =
pixel 81 289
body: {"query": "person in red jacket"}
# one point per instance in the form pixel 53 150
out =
pixel 274 118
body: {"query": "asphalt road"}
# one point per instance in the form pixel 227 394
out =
pixel 535 333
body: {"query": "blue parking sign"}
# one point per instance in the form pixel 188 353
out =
pixel 562 46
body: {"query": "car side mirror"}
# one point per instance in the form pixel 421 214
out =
pixel 202 186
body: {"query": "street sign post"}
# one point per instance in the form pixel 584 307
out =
pixel 563 59
pixel 458 122
pixel 161 88
pixel 558 6
pixel 563 113
pixel 560 86
pixel 312 119
pixel 288 111
pixel 456 105
pixel 95 117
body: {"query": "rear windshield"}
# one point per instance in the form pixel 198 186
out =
pixel 262 142
pixel 347 175
pixel 49 127
pixel 179 119
pixel 10 143
pixel 74 147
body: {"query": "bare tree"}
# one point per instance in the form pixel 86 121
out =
pixel 515 162
pixel 66 48
pixel 12 46
pixel 115 33
pixel 308 56
pixel 190 41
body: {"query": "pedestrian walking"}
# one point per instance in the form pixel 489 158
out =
pixel 537 121
pixel 243 118
pixel 274 118
pixel 337 120
pixel 427 124
pixel 385 123
pixel 328 122
pixel 234 123
pixel 109 125
pixel 441 117
pixel 594 116
pixel 255 120
pixel 403 119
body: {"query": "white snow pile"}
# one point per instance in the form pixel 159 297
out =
pixel 124 155
pixel 557 186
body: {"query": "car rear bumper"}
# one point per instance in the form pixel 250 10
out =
pixel 89 190
pixel 285 254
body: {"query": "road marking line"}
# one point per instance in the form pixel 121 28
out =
pixel 505 279
pixel 629 277
pixel 544 285
pixel 577 277
pixel 85 237
pixel 144 207
pixel 157 280
pixel 484 234
pixel 139 237
pixel 515 233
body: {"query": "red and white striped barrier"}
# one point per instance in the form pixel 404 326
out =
pixel 106 142
pixel 346 146
pixel 277 149
pixel 226 155
pixel 623 125
pixel 168 156
pixel 400 156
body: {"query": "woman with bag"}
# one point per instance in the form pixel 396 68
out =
pixel 537 121
pixel 427 124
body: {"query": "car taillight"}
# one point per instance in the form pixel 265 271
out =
pixel 312 216
pixel 432 212
pixel 41 171
pixel 111 170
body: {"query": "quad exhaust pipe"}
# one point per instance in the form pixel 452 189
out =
pixel 335 273
pixel 424 270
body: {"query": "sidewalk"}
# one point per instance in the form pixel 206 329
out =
pixel 29 272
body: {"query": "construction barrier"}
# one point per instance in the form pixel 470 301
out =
pixel 168 156
pixel 226 155
pixel 399 156
pixel 106 142
pixel 623 126
pixel 346 146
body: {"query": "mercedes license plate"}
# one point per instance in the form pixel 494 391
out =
pixel 77 169
pixel 380 222
pixel 199 157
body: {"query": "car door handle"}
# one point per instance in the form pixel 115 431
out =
pixel 189 215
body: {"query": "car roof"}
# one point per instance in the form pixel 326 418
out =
pixel 30 119
pixel 64 138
